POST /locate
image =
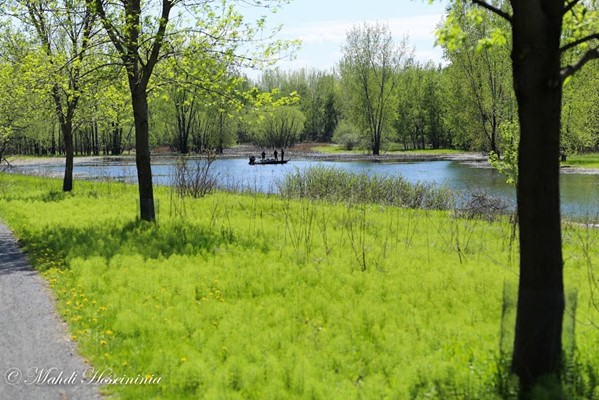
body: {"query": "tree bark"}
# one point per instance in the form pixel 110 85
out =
pixel 67 133
pixel 536 68
pixel 139 99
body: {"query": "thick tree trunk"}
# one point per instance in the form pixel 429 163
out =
pixel 67 134
pixel 142 152
pixel 536 64
pixel 376 145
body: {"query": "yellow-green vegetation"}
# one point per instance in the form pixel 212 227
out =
pixel 337 149
pixel 259 297
pixel 584 160
pixel 392 148
pixel 432 151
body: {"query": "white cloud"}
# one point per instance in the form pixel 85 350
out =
pixel 416 27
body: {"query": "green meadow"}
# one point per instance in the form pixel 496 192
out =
pixel 247 296
pixel 391 148
pixel 583 160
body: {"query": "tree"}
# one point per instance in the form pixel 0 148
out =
pixel 279 128
pixel 481 72
pixel 64 30
pixel 538 75
pixel 369 71
pixel 139 33
pixel 318 98
pixel 420 117
pixel 20 68
pixel 346 135
pixel 580 112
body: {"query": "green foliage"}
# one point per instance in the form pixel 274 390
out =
pixel 319 100
pixel 422 109
pixel 369 71
pixel 507 164
pixel 279 128
pixel 580 112
pixel 347 135
pixel 256 297
pixel 480 94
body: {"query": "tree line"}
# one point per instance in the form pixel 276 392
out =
pixel 68 94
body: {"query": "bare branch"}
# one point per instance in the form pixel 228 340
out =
pixel 571 69
pixel 579 41
pixel 493 9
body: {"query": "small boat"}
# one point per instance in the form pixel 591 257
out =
pixel 266 161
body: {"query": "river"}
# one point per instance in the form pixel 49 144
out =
pixel 579 192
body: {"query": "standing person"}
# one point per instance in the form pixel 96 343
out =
pixel 276 155
pixel 282 154
pixel 263 155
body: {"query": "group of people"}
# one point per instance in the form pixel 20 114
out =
pixel 267 161
pixel 276 154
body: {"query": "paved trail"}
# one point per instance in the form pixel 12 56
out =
pixel 34 345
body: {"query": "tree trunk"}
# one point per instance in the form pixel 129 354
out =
pixel 376 145
pixel 67 134
pixel 536 65
pixel 139 100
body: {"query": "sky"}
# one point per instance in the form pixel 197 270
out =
pixel 322 25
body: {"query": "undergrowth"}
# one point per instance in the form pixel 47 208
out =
pixel 255 296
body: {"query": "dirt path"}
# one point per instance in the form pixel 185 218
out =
pixel 37 359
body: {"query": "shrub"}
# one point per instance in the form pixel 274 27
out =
pixel 347 135
pixel 193 177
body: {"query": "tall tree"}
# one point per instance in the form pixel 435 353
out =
pixel 63 29
pixel 537 49
pixel 19 69
pixel 481 71
pixel 369 69
pixel 139 32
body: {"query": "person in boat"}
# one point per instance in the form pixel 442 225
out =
pixel 263 155
pixel 282 154
pixel 252 160
pixel 276 155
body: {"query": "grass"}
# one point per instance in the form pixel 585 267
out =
pixel 394 148
pixel 337 149
pixel 337 185
pixel 588 160
pixel 253 296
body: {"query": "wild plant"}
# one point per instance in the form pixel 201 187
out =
pixel 193 176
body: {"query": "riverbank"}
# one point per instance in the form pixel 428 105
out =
pixel 298 152
pixel 256 296
pixel 578 164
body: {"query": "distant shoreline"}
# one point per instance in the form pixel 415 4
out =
pixel 477 159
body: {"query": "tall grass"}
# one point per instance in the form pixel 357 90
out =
pixel 259 297
pixel 336 185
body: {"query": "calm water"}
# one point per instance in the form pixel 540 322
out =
pixel 580 192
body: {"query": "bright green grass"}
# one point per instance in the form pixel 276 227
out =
pixel 337 149
pixel 255 297
pixel 431 151
pixel 393 149
pixel 589 160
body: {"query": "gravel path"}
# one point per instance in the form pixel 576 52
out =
pixel 37 359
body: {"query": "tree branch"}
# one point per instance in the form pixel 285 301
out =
pixel 494 9
pixel 577 42
pixel 571 69
pixel 570 6
pixel 159 39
